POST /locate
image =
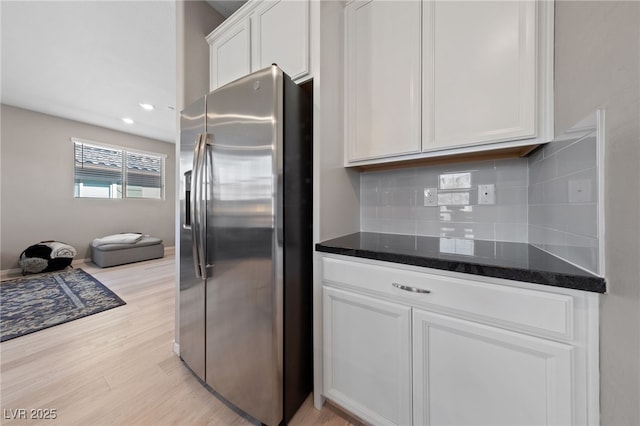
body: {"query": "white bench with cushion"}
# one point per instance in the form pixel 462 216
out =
pixel 146 248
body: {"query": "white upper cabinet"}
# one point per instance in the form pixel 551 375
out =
pixel 383 78
pixel 259 34
pixel 486 70
pixel 483 78
pixel 281 36
pixel 230 54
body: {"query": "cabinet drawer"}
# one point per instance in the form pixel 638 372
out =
pixel 537 312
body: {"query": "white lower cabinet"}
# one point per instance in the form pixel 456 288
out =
pixel 456 349
pixel 367 356
pixel 472 374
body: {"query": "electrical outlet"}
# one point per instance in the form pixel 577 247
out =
pixel 580 191
pixel 430 197
pixel 487 194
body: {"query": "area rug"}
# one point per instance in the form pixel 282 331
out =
pixel 34 303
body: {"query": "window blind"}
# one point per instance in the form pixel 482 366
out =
pixel 144 175
pixel 97 171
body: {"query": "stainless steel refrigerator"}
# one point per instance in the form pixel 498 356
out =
pixel 246 244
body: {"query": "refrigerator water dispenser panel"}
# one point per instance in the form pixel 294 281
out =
pixel 186 219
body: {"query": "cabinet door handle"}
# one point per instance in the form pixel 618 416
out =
pixel 411 289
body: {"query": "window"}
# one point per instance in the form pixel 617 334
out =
pixel 114 172
pixel 143 175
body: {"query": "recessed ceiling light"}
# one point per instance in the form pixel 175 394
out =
pixel 127 120
pixel 147 107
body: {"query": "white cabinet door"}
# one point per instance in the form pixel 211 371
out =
pixel 367 357
pixel 471 374
pixel 230 54
pixel 281 36
pixel 383 90
pixel 479 72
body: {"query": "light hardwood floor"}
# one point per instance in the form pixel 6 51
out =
pixel 117 367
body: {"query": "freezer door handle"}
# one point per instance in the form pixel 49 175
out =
pixel 196 208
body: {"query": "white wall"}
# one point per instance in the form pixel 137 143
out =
pixel 336 190
pixel 37 182
pixel 597 65
pixel 195 20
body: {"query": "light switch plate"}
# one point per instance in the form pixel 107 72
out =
pixel 487 194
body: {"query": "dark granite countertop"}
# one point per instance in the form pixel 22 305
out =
pixel 512 261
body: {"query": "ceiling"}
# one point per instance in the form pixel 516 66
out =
pixel 226 7
pixel 93 61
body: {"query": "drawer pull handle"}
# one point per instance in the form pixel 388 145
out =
pixel 411 289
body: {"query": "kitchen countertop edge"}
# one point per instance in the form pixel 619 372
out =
pixel 591 283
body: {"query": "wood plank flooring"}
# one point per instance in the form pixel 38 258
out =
pixel 117 367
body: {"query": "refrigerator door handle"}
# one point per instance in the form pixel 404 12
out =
pixel 204 185
pixel 206 180
pixel 196 215
pixel 279 210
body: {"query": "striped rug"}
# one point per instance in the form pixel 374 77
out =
pixel 30 304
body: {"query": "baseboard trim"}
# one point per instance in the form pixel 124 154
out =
pixel 10 273
pixel 17 272
pixel 176 348
pixel 78 261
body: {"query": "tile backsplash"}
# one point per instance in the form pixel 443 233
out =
pixel 549 200
pixel 393 201
pixel 563 200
